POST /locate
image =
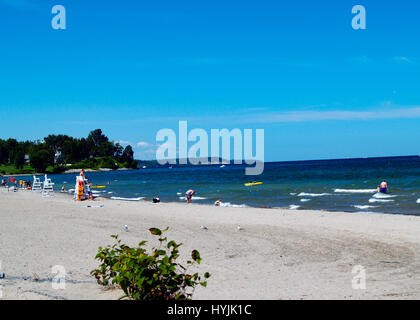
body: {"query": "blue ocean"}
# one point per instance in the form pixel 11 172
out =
pixel 334 185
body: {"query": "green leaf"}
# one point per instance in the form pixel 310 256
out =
pixel 155 231
pixel 196 256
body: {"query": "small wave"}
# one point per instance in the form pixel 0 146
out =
pixel 355 190
pixel 228 204
pixel 304 194
pixel 382 196
pixel 418 200
pixel 364 207
pixel 110 192
pixel 193 197
pixel 127 199
pixel 305 200
pixel 294 207
pixel 178 193
pixel 293 194
pixel 373 200
pixel 71 190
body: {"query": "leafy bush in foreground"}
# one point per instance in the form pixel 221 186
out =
pixel 148 276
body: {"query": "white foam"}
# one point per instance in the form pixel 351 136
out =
pixel 304 194
pixel 71 190
pixel 127 199
pixel 178 193
pixel 364 207
pixel 193 197
pixel 418 200
pixel 383 196
pixel 355 190
pixel 294 207
pixel 305 200
pixel 293 194
pixel 379 200
pixel 228 204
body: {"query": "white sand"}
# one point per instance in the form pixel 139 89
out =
pixel 280 254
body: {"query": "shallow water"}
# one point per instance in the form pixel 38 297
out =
pixel 334 185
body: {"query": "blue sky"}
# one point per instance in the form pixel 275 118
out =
pixel 296 69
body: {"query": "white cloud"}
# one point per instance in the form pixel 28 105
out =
pixel 143 144
pixel 123 142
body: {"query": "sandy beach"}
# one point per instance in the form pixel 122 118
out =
pixel 279 254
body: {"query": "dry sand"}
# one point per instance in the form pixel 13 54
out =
pixel 279 254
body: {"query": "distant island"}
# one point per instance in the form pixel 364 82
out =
pixel 61 153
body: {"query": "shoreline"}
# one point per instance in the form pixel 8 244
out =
pixel 70 171
pixel 284 254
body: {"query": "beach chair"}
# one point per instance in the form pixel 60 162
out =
pixel 48 189
pixel 37 185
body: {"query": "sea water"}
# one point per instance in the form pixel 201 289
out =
pixel 335 185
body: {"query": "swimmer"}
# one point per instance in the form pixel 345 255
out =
pixel 189 195
pixel 383 187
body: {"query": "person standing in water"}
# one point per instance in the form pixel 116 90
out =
pixel 189 195
pixel 383 187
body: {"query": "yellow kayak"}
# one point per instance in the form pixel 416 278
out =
pixel 252 184
pixel 98 186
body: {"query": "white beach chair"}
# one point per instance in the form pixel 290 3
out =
pixel 37 185
pixel 48 189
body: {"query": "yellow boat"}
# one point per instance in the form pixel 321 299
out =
pixel 98 186
pixel 252 184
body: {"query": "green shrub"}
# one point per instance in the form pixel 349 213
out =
pixel 108 162
pixel 148 276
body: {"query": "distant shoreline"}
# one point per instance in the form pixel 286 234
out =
pixel 66 172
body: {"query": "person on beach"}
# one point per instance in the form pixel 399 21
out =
pixel 63 189
pixel 189 195
pixel 3 183
pixel 82 173
pixel 383 187
pixel 217 203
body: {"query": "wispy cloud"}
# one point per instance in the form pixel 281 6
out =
pixel 402 59
pixel 143 144
pixel 337 115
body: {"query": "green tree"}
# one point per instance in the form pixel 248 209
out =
pixel 19 160
pixel 127 155
pixel 97 141
pixel 4 152
pixel 41 159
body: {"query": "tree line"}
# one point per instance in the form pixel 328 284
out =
pixel 73 150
